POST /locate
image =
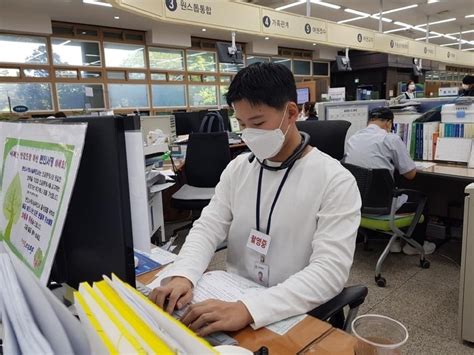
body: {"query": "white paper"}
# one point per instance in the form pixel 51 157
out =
pixel 188 192
pixel 282 327
pixel 89 91
pixel 161 187
pixel 162 256
pixel 454 149
pixel 167 172
pixel 39 170
pixel 357 115
pixel 421 165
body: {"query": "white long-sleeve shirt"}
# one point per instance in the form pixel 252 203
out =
pixel 313 232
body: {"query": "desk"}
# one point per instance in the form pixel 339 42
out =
pixel 449 171
pixel 311 334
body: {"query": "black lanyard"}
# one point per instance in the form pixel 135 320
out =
pixel 259 192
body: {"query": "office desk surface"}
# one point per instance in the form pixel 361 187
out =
pixel 449 170
pixel 311 334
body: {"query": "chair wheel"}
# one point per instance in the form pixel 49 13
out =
pixel 425 264
pixel 380 281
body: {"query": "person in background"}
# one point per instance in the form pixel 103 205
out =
pixel 411 90
pixel 310 111
pixel 468 85
pixel 375 147
pixel 300 201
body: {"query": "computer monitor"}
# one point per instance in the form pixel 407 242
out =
pixel 97 236
pixel 343 63
pixel 227 54
pixel 190 122
pixel 302 96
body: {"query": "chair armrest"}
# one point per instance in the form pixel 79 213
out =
pixel 352 296
pixel 421 201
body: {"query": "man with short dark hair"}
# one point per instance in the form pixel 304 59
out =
pixel 468 86
pixel 375 147
pixel 302 205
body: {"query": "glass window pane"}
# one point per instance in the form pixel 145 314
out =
pixel 158 76
pixel 196 78
pixel 35 96
pixel 201 61
pixel 230 68
pixel 252 59
pixel 166 59
pixel 223 90
pixel 301 67
pixel 71 52
pixel 23 49
pixel 116 75
pixel 9 72
pixel 166 95
pixel 226 79
pixel 87 32
pixel 124 55
pixel 136 76
pixel 36 73
pixel 128 95
pixel 113 35
pixel 72 74
pixel 209 78
pixel 176 77
pixel 91 74
pixel 134 37
pixel 284 61
pixel 320 69
pixel 80 96
pixel 202 95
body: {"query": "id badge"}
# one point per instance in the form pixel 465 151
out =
pixel 261 274
pixel 258 241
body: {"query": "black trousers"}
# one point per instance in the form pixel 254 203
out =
pixel 419 233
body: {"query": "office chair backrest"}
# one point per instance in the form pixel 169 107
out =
pixel 328 136
pixel 208 126
pixel 207 155
pixel 376 188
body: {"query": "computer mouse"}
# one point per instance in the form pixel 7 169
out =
pixel 136 261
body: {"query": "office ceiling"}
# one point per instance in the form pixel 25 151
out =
pixel 437 11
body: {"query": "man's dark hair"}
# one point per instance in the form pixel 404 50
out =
pixel 381 113
pixel 263 83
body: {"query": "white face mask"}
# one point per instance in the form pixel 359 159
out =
pixel 411 87
pixel 465 86
pixel 265 143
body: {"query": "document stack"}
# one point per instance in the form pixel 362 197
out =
pixel 120 320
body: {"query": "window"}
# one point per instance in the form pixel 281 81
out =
pixel 226 79
pixel 36 73
pixel 209 78
pixel 136 76
pixel 223 90
pixel 201 61
pixel 124 55
pixel 116 75
pixel 70 74
pixel 230 68
pixel 91 74
pixel 35 96
pixel 301 67
pixel 284 61
pixel 196 78
pixel 23 49
pixel 168 95
pixel 72 52
pixel 166 59
pixel 80 96
pixel 202 95
pixel 158 76
pixel 320 68
pixel 252 59
pixel 9 72
pixel 176 77
pixel 128 95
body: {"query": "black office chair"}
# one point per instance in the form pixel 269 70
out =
pixel 379 205
pixel 328 136
pixel 207 155
pixel 333 310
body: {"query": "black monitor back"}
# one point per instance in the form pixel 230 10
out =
pixel 190 122
pixel 97 236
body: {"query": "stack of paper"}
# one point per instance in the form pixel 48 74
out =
pixel 34 320
pixel 121 320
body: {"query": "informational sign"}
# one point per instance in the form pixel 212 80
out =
pixel 350 36
pixel 448 91
pixel 337 94
pixel 151 8
pixel 357 115
pixel 445 54
pixel 294 26
pixel 37 174
pixel 392 44
pixel 419 49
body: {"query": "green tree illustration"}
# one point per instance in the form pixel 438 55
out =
pixel 12 205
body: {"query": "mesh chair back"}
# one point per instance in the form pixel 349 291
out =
pixel 207 155
pixel 328 136
pixel 376 188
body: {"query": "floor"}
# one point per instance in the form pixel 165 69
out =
pixel 424 300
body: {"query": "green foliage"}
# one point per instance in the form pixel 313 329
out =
pixel 38 258
pixel 166 60
pixel 12 204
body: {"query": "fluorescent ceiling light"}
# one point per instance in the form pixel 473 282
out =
pixel 94 2
pixel 384 19
pixel 399 9
pixel 449 44
pixel 463 32
pixel 438 22
pixel 402 24
pixel 396 30
pixel 450 37
pixel 284 7
pixel 433 35
pixel 468 16
pixel 355 12
pixel 432 1
pixel 352 19
pixel 468 49
pixel 419 29
pixel 327 4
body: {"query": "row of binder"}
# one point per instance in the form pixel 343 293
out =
pixel 423 140
pixel 456 130
pixel 121 320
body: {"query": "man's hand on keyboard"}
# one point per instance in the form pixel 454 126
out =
pixel 175 294
pixel 213 315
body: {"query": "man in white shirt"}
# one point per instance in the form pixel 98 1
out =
pixel 300 201
pixel 375 147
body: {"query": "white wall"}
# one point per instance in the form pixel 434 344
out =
pixel 262 47
pixel 18 21
pixel 169 35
